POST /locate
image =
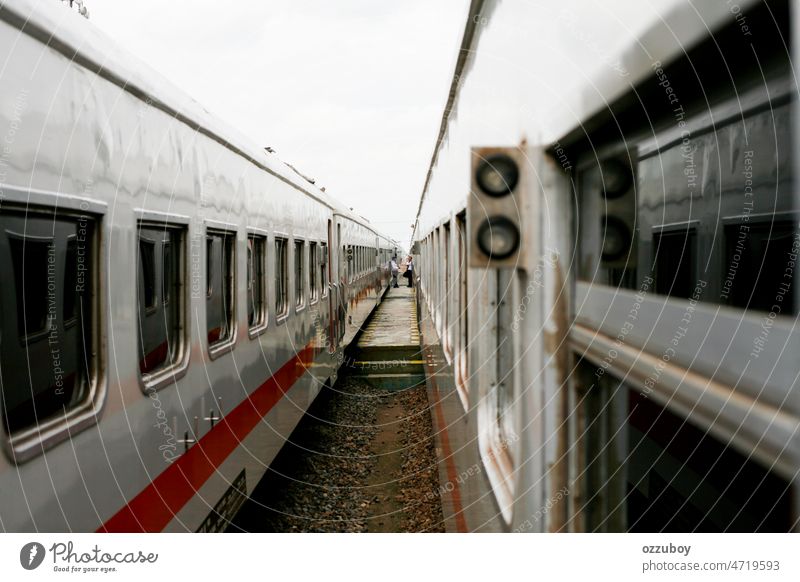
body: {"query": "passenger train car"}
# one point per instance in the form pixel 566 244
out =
pixel 606 247
pixel 173 296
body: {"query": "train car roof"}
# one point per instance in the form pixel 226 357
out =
pixel 76 38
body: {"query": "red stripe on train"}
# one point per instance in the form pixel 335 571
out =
pixel 158 503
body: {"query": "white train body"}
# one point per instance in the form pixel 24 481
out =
pixel 155 396
pixel 576 395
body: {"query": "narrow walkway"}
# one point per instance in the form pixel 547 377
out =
pixel 395 323
pixel 388 351
pixel 363 457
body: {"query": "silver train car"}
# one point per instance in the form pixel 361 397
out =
pixel 173 296
pixel 606 247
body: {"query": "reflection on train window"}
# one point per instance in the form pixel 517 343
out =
pixel 220 304
pixel 313 260
pixel 147 270
pixel 674 262
pixel 168 275
pixel 323 269
pixel 209 260
pixel 256 281
pixel 281 277
pixel 29 256
pixel 299 273
pixel 45 365
pixel 160 319
pixel 70 280
pixel 692 214
pixel 758 274
pixel 680 478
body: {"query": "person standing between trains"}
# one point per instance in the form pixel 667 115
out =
pixel 410 271
pixel 395 269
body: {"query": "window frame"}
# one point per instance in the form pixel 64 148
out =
pixel 300 303
pixel 221 347
pixel 167 375
pixel 253 331
pixel 313 263
pixel 324 272
pixel 31 442
pixel 282 313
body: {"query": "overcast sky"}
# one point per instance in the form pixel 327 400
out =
pixel 350 92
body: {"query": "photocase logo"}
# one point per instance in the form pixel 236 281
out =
pixel 31 555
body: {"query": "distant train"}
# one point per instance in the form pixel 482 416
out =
pixel 606 247
pixel 173 297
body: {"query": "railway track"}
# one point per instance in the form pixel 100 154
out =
pixel 362 459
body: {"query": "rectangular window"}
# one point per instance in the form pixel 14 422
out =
pixel 674 262
pixel 220 319
pixel 256 282
pixel 281 277
pixel 159 297
pixel 147 270
pixel 299 273
pixel 323 269
pixel 48 340
pixel 758 272
pixel 313 260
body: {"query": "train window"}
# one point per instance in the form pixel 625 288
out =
pixel 323 269
pixel 674 262
pixel 168 273
pixel 160 318
pixel 683 213
pixel 281 278
pixel 256 282
pixel 209 264
pixel 70 280
pixel 313 260
pixel 220 319
pixel 299 273
pixel 47 367
pixel 29 256
pixel 760 253
pixel 147 271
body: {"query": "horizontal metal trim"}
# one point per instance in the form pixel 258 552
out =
pixel 770 435
pixel 749 350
